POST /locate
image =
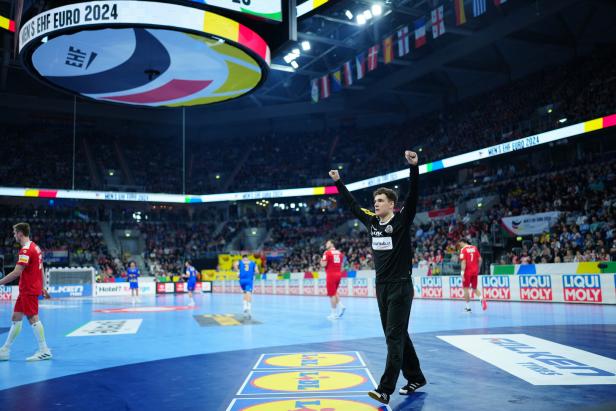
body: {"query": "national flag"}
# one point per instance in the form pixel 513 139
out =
pixel 404 47
pixel 7 24
pixel 420 32
pixel 373 57
pixel 438 22
pixel 360 63
pixel 347 74
pixel 314 90
pixel 325 91
pixel 337 81
pixel 460 13
pixel 499 2
pixel 388 49
pixel 479 7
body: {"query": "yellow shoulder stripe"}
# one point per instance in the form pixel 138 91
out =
pixel 368 212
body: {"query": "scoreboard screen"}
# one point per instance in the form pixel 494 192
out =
pixel 266 9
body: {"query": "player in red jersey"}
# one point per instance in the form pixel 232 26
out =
pixel 29 269
pixel 332 262
pixel 470 259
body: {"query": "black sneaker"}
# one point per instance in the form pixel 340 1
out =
pixel 376 394
pixel 467 310
pixel 411 387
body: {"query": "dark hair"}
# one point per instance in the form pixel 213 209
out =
pixel 331 241
pixel 244 255
pixel 23 228
pixel 389 193
pixel 464 240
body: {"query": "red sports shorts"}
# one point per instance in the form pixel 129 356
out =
pixel 470 280
pixel 333 281
pixel 27 304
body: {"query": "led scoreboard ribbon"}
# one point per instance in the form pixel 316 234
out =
pixel 488 152
pixel 144 53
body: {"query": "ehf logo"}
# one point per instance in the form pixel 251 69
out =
pixel 535 287
pixel 360 287
pixel 79 58
pixel 455 287
pixel 431 287
pixel 582 288
pixel 496 287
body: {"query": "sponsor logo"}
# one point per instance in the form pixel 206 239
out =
pixel 107 327
pixel 23 259
pixel 309 360
pixel 310 381
pixel 281 287
pixel 535 287
pixel 157 309
pixel 69 290
pixel 496 287
pixel 269 287
pixel 360 287
pixel 218 287
pixel 6 293
pixel 389 229
pixel 383 243
pixel 294 287
pixel 322 286
pixel 307 404
pixel 455 287
pixel 309 286
pixel 431 287
pixel 538 361
pixel 343 289
pixel 375 233
pixel 582 288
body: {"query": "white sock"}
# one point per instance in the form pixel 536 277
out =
pixel 340 305
pixel 13 333
pixel 248 305
pixel 39 333
pixel 467 305
pixel 333 311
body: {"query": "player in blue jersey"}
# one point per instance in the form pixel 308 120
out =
pixel 247 271
pixel 133 275
pixel 191 281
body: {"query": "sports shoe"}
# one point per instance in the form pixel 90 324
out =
pixel 332 317
pixel 411 387
pixel 342 310
pixel 484 304
pixel 40 356
pixel 376 394
pixel 468 310
pixel 5 353
pixel 191 303
pixel 247 314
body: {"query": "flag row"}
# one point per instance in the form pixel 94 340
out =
pixel 367 61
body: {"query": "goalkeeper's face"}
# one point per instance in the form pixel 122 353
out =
pixel 383 206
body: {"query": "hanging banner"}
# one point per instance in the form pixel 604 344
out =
pixel 530 224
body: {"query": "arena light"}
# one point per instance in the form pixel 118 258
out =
pixel 349 14
pixel 295 65
pixel 377 9
pixel 361 20
pixel 306 45
pixel 563 120
pixel 368 15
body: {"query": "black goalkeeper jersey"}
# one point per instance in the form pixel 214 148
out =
pixel 391 240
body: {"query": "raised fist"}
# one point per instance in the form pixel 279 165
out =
pixel 411 157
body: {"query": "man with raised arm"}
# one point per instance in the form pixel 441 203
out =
pixel 393 255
